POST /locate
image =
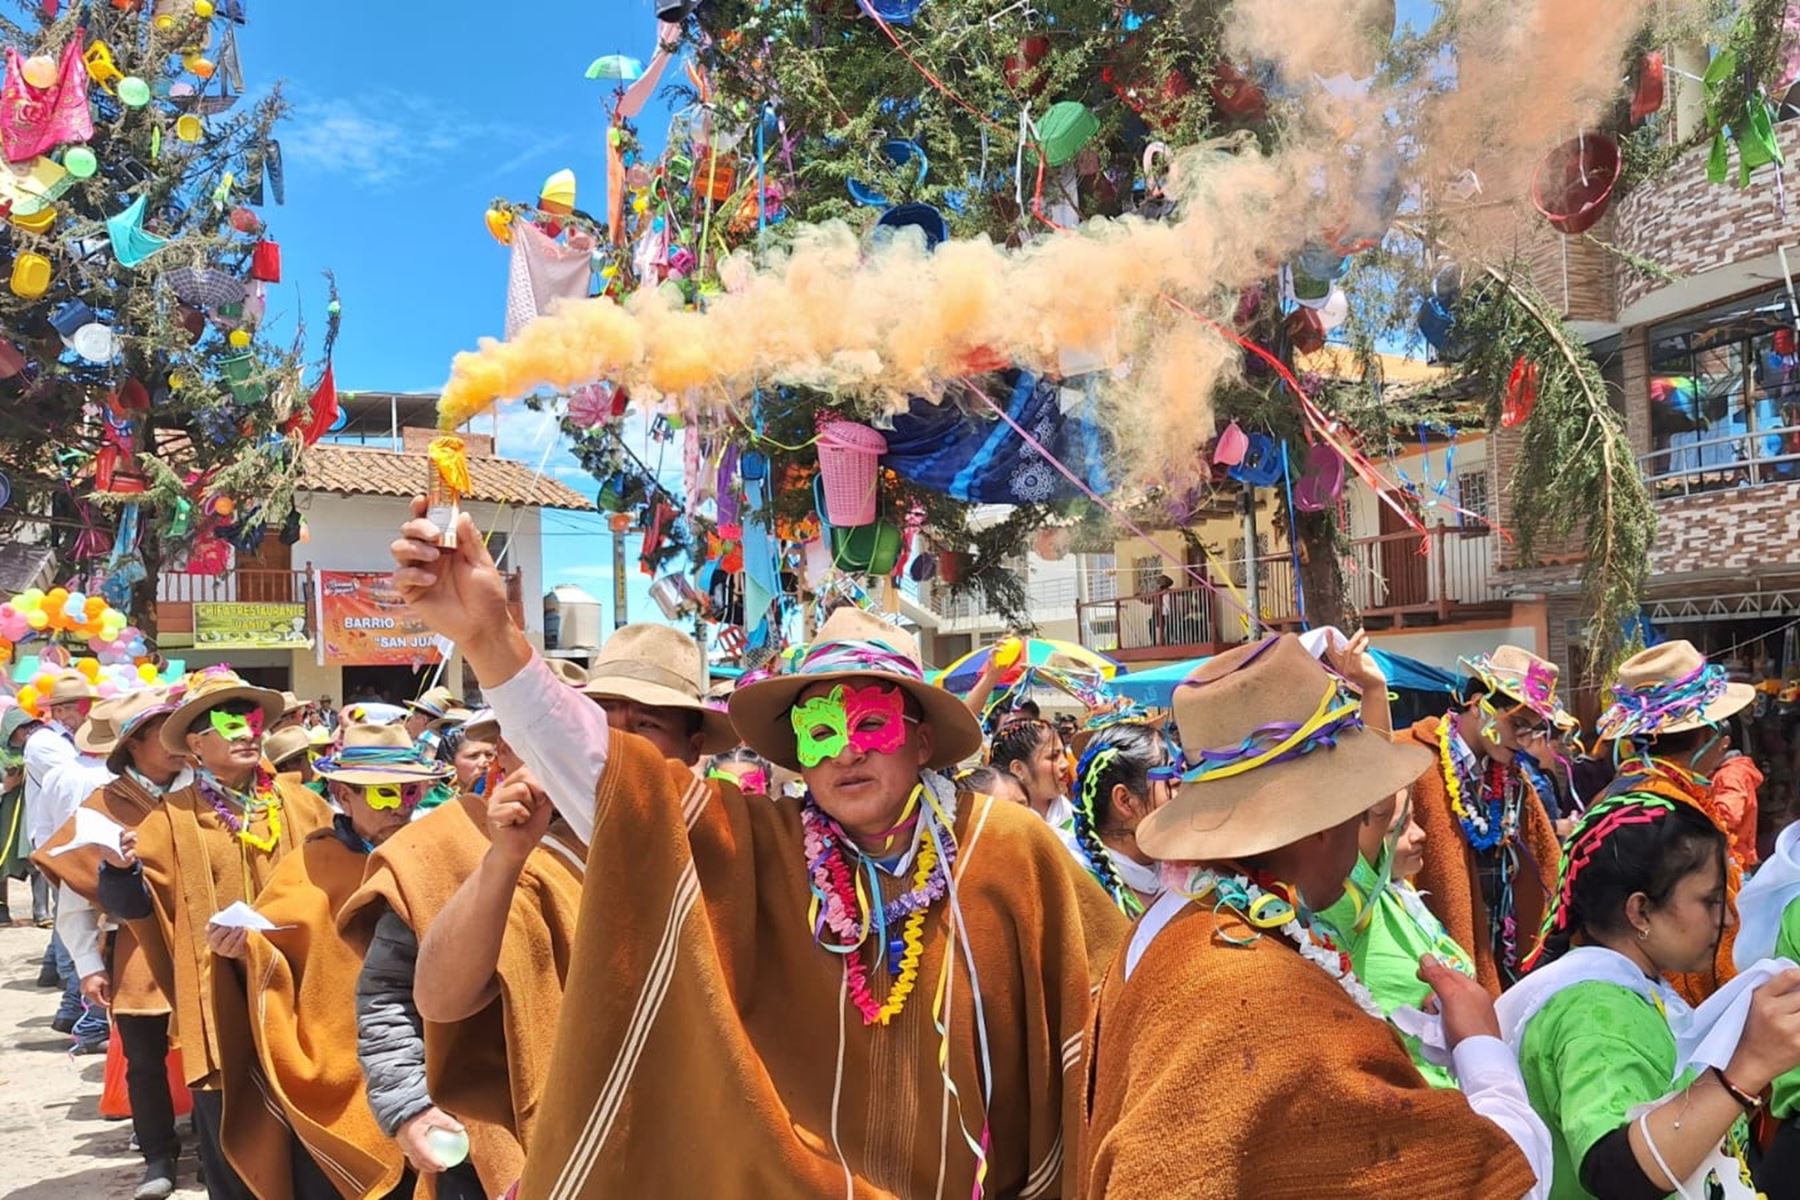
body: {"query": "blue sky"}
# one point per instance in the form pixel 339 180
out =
pixel 407 120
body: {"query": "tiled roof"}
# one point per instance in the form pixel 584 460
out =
pixel 365 471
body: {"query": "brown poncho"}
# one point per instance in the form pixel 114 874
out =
pixel 134 989
pixel 194 866
pixel 286 1022
pixel 1449 881
pixel 1233 1071
pixel 488 1071
pixel 714 1051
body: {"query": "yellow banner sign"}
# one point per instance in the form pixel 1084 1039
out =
pixel 251 627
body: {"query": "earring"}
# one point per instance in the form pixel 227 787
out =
pixel 1644 933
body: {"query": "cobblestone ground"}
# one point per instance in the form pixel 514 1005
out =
pixel 54 1145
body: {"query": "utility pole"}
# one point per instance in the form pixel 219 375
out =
pixel 620 616
pixel 1252 588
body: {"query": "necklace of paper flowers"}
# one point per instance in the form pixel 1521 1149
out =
pixel 262 798
pixel 1277 908
pixel 1485 826
pixel 843 917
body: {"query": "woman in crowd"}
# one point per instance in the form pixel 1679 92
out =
pixel 1032 752
pixel 1121 779
pixel 989 781
pixel 469 756
pixel 1641 897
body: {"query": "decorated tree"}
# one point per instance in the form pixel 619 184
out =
pixel 146 420
pixel 1264 176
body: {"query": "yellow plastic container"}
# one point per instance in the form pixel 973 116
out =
pixel 30 275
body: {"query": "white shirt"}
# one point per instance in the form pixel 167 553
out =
pixel 560 734
pixel 48 747
pixel 78 923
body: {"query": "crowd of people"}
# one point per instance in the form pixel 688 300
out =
pixel 843 932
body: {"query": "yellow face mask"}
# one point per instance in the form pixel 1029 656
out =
pixel 386 797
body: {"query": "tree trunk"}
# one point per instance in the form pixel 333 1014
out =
pixel 1322 573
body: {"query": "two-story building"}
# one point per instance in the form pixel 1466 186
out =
pixel 319 617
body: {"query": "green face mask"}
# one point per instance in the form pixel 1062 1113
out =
pixel 821 728
pixel 230 726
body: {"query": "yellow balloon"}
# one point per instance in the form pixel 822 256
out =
pixel 147 672
pixel 188 127
pixel 28 698
pixel 89 667
pixel 203 9
pixel 239 338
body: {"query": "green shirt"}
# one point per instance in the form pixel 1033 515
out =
pixel 1786 1099
pixel 438 794
pixel 1593 1053
pixel 1385 951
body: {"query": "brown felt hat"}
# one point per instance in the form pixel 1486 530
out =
pixel 110 725
pixel 659 667
pixel 1671 688
pixel 852 644
pixel 1259 696
pixel 286 744
pixel 1522 676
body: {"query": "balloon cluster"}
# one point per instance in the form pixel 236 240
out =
pixel 106 679
pixel 60 612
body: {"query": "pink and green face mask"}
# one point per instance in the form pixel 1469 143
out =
pixel 869 720
pixel 234 727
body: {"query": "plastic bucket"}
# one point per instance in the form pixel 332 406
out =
pixel 849 465
pixel 1573 186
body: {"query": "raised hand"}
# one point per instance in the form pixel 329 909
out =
pixel 459 593
pixel 518 814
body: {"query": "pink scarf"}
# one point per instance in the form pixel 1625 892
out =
pixel 33 119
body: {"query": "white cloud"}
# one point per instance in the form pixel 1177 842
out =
pixel 383 135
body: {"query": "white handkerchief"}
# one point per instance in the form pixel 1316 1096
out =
pixel 92 828
pixel 1711 1034
pixel 241 916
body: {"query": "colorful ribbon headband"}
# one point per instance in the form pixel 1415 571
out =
pixel 1605 818
pixel 1640 711
pixel 1339 711
pixel 858 655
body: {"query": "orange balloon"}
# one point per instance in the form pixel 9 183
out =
pixel 55 598
pixel 95 606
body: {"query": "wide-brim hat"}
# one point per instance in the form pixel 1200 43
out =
pixel 435 702
pixel 67 687
pixel 569 671
pixel 852 644
pixel 660 667
pixel 1522 676
pixel 372 754
pixel 208 689
pixel 287 743
pixel 451 719
pixel 1276 752
pixel 15 719
pixel 482 726
pixel 291 703
pixel 1671 688
pixel 113 723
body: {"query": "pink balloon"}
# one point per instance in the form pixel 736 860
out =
pixel 108 689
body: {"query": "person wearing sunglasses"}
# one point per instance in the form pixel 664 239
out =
pixel 1490 841
pixel 284 998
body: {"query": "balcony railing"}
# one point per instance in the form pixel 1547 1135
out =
pixel 1388 576
pixel 1738 459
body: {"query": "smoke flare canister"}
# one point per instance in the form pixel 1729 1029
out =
pixel 447 482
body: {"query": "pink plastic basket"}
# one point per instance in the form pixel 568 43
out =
pixel 849 457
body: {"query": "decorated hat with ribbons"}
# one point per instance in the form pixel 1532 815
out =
pixel 1671 688
pixel 375 754
pixel 1274 750
pixel 852 646
pixel 1522 676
